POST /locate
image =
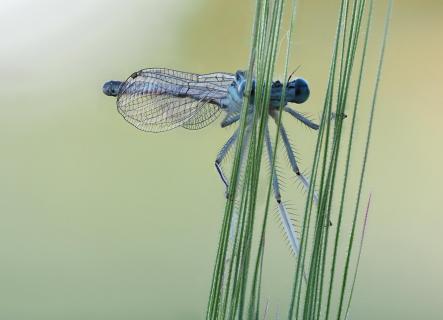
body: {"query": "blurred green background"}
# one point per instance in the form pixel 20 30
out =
pixel 102 221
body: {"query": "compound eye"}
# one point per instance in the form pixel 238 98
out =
pixel 301 89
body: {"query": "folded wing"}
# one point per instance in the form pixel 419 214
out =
pixel 158 100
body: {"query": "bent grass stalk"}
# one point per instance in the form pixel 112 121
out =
pixel 357 263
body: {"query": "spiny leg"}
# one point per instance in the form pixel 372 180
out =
pixel 275 185
pixel 301 118
pixel 311 125
pixel 293 161
pixel 287 144
pixel 222 154
pixel 297 115
pixel 305 181
pixel 291 233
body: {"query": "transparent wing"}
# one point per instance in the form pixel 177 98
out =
pixel 157 100
pixel 203 117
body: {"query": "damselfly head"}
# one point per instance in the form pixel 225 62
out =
pixel 112 88
pixel 298 90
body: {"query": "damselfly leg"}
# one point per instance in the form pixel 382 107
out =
pixel 275 185
pixel 292 159
pixel 290 231
pixel 221 155
pixel 302 118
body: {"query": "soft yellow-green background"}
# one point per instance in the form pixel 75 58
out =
pixel 101 221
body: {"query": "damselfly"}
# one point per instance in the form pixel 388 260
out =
pixel 159 99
